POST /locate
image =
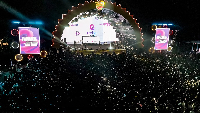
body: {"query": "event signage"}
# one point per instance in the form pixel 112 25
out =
pixel 162 38
pixel 29 39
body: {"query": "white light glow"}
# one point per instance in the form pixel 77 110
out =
pixel 89 29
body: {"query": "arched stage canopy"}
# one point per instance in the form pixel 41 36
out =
pixel 89 6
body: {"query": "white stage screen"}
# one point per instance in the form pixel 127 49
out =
pixel 89 27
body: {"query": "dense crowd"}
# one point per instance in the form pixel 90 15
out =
pixel 69 82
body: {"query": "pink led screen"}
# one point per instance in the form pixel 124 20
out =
pixel 29 39
pixel 162 38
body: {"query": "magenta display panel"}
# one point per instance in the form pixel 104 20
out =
pixel 162 38
pixel 29 39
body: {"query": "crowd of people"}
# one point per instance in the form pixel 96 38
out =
pixel 69 82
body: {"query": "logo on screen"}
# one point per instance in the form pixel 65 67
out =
pixel 92 26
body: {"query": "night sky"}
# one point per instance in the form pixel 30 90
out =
pixel 180 12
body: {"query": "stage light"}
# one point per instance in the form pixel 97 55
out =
pixel 170 24
pixel 43 54
pixel 14 32
pixel 169 49
pixel 15 45
pixel 110 47
pixel 18 57
pixel 171 32
pixel 35 22
pixel 30 56
pixel 39 22
pixel 4 44
pixel 159 24
pixel 100 5
pixel 165 26
pixel 15 22
pixel 151 50
pixel 31 22
pixel 153 27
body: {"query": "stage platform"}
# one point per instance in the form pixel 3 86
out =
pixel 110 51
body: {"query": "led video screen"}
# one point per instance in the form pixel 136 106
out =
pixel 162 38
pixel 29 39
pixel 92 29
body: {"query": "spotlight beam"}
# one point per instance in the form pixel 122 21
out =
pixel 21 16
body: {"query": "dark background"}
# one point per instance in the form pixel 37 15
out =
pixel 179 12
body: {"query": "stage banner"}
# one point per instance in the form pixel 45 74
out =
pixel 162 38
pixel 29 39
